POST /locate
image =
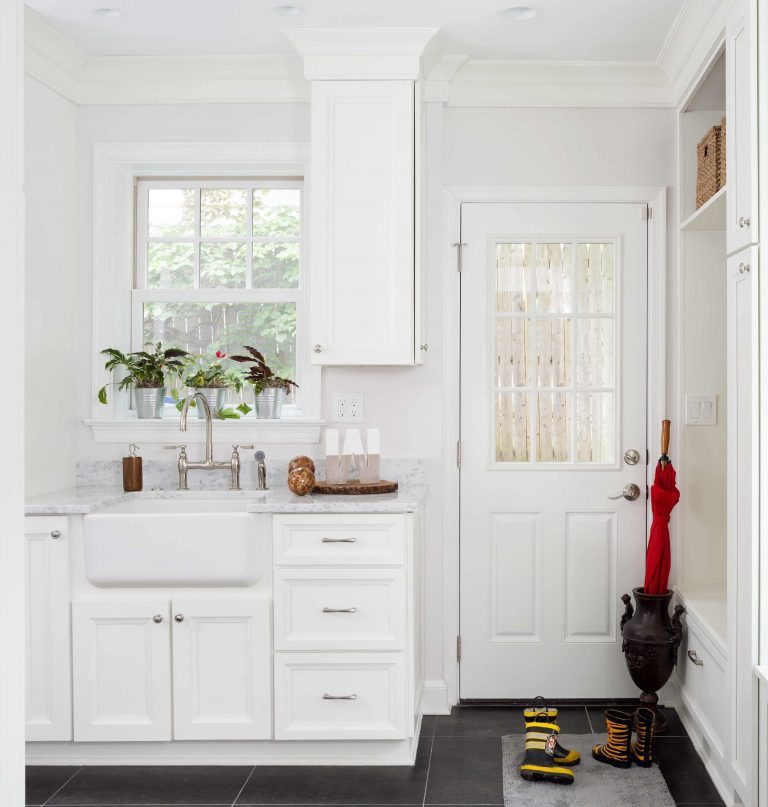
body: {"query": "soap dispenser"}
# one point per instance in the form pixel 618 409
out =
pixel 132 471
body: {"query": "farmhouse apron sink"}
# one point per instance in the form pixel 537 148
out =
pixel 193 541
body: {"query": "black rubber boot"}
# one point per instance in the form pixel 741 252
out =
pixel 616 751
pixel 642 747
pixel 540 711
pixel 539 761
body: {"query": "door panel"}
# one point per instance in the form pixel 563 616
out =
pixel 553 392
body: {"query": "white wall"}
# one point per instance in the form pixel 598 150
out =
pixel 52 324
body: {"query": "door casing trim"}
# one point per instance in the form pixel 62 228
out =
pixel 453 197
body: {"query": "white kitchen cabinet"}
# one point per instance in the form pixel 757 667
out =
pixel 222 667
pixel 741 134
pixel 743 519
pixel 122 670
pixel 362 261
pixel 48 655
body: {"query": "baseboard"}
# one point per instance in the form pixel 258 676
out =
pixel 434 698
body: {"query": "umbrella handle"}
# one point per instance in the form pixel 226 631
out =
pixel 665 428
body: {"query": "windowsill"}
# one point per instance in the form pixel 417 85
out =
pixel 245 430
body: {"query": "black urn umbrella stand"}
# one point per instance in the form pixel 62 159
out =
pixel 650 643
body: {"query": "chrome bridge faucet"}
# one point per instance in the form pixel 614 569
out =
pixel 208 464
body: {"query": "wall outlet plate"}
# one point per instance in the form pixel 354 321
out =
pixel 701 410
pixel 348 407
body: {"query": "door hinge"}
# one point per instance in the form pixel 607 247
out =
pixel 458 453
pixel 458 648
pixel 647 212
pixel 460 255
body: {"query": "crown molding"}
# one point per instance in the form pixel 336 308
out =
pixel 361 53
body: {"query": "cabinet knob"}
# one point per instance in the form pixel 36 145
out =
pixel 317 348
pixel 424 347
pixel 743 267
pixel 157 619
pixel 179 617
pixel 55 534
pixel 744 222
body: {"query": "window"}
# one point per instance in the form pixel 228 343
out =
pixel 219 266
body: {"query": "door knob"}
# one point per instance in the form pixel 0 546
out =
pixel 631 493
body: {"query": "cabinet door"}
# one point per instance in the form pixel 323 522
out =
pixel 122 670
pixel 741 132
pixel 222 673
pixel 48 662
pixel 743 558
pixel 362 228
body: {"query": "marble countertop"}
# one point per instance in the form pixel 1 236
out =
pixel 83 500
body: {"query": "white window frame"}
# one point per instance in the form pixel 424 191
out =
pixel 116 169
pixel 294 405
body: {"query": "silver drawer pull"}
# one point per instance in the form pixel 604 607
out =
pixel 695 659
pixel 339 540
pixel 327 610
pixel 328 697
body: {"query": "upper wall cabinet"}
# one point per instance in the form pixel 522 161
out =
pixel 741 139
pixel 362 222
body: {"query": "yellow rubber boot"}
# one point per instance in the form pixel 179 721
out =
pixel 642 747
pixel 540 711
pixel 539 761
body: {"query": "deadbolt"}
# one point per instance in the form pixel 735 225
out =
pixel 631 457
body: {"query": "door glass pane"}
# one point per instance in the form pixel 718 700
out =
pixel 276 212
pixel 223 211
pixel 554 278
pixel 512 352
pixel 170 212
pixel 595 427
pixel 554 431
pixel 554 352
pixel 514 285
pixel 594 278
pixel 222 265
pixel 595 353
pixel 170 265
pixel 512 440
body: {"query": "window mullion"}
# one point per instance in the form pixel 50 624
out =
pixel 249 241
pixel 198 227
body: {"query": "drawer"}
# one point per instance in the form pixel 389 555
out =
pixel 339 696
pixel 367 539
pixel 704 684
pixel 339 609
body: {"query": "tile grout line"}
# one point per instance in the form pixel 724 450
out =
pixel 589 721
pixel 429 764
pixel 62 787
pixel 240 792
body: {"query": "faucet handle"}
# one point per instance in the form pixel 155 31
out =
pixel 235 446
pixel 182 446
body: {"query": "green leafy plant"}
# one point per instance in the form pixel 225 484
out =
pixel 144 369
pixel 260 374
pixel 214 375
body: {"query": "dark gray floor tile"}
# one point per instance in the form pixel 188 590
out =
pixel 496 721
pixel 146 784
pixel 44 780
pixel 428 725
pixel 340 785
pixel 465 770
pixel 684 772
pixel 596 715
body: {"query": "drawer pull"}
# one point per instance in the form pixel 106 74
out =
pixel 328 697
pixel 327 610
pixel 695 659
pixel 339 540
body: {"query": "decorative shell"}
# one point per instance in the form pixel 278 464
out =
pixel 301 481
pixel 301 462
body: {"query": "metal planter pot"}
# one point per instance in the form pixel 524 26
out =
pixel 216 397
pixel 269 402
pixel 149 402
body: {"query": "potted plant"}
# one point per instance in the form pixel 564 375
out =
pixel 269 389
pixel 214 382
pixel 146 375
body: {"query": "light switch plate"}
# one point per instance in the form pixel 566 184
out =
pixel 701 410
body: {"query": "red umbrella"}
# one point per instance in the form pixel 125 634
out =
pixel 664 497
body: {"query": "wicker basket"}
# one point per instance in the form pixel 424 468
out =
pixel 709 160
pixel 723 176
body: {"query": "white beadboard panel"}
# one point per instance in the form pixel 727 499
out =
pixel 516 576
pixel 339 609
pixel 589 555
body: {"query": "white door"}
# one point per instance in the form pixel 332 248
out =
pixel 222 669
pixel 553 395
pixel 48 663
pixel 122 670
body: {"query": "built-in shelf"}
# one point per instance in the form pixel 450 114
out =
pixel 708 606
pixel 710 216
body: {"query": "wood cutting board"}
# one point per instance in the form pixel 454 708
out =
pixel 353 488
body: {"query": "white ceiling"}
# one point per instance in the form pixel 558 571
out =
pixel 567 30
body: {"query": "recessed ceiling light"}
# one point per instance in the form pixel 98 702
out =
pixel 288 11
pixel 520 12
pixel 109 13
